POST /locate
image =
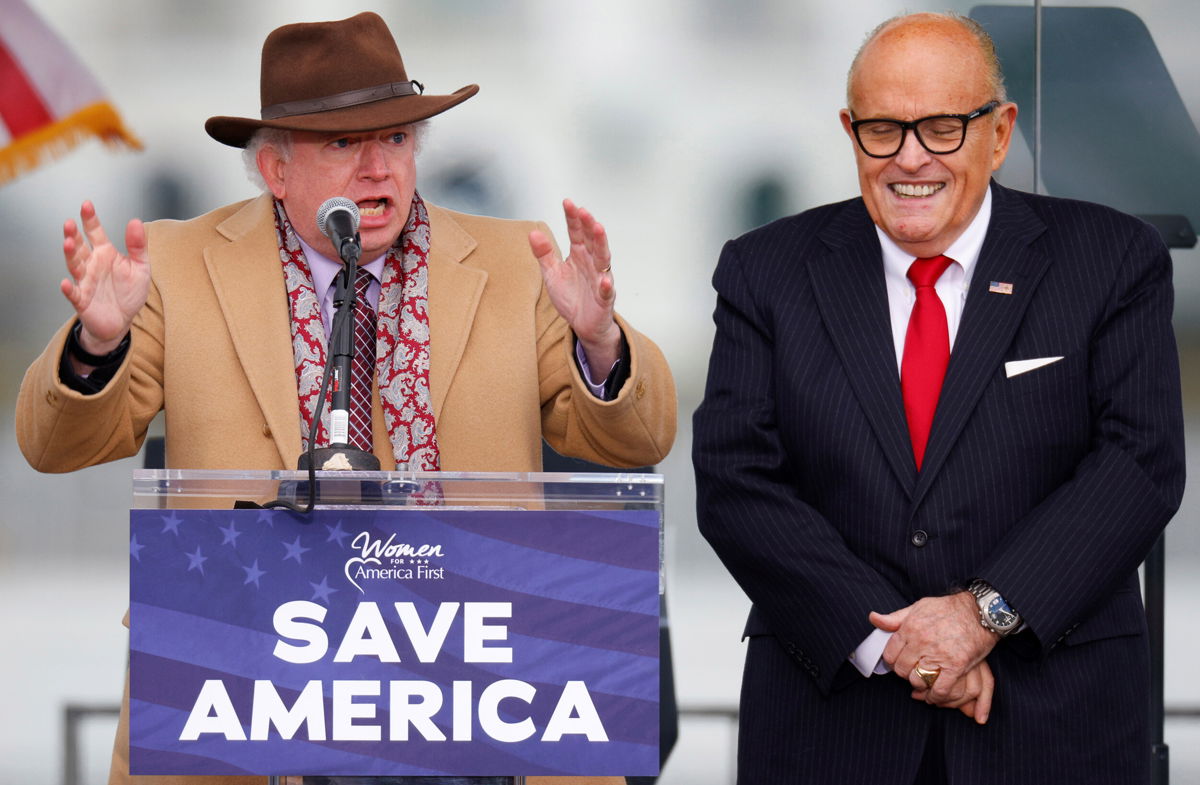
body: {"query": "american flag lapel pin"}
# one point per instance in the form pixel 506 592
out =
pixel 1000 287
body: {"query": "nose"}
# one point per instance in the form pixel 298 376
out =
pixel 912 155
pixel 372 161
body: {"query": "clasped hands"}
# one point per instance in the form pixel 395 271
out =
pixel 942 634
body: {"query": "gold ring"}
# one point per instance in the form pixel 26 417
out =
pixel 928 676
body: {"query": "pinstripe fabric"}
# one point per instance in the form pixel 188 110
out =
pixel 1052 485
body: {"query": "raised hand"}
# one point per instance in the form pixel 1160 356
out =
pixel 581 286
pixel 106 288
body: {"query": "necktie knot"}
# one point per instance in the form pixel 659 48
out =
pixel 926 272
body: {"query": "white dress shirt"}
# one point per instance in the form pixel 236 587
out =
pixel 952 290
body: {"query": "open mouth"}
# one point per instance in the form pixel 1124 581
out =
pixel 373 207
pixel 915 191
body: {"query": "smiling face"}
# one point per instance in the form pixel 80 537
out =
pixel 917 67
pixel 374 169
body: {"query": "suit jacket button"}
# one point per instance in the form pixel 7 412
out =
pixel 639 390
pixel 919 538
pixel 266 430
pixel 51 398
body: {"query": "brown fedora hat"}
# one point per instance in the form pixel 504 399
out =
pixel 334 76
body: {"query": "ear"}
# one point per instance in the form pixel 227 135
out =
pixel 846 119
pixel 272 166
pixel 1006 120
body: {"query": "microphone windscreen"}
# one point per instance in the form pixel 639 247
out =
pixel 332 205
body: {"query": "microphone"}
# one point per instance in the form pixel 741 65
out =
pixel 338 218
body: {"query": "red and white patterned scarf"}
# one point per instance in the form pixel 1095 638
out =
pixel 401 341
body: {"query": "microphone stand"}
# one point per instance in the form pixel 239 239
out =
pixel 339 455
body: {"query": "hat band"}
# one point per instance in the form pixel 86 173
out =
pixel 341 100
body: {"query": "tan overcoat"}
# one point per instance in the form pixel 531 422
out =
pixel 212 347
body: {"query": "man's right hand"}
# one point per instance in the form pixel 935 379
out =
pixel 107 288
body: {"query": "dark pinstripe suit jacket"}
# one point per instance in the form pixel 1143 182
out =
pixel 1051 485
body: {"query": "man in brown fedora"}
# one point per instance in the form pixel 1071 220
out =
pixel 222 321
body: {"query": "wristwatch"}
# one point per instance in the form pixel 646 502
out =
pixel 76 350
pixel 995 613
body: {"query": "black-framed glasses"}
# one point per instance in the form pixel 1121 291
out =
pixel 940 134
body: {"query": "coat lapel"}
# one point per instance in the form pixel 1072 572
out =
pixel 851 295
pixel 248 282
pixel 989 322
pixel 454 293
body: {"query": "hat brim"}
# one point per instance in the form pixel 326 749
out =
pixel 236 131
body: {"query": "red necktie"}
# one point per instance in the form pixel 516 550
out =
pixel 926 352
pixel 362 370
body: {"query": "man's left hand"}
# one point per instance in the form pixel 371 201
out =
pixel 937 633
pixel 581 286
pixel 972 694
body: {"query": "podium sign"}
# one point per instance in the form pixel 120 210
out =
pixel 392 640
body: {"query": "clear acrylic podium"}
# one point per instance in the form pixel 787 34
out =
pixel 412 625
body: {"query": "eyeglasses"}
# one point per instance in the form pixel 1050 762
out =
pixel 940 134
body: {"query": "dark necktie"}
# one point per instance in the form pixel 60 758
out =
pixel 926 352
pixel 362 371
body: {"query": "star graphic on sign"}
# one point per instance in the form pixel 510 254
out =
pixel 171 523
pixel 196 561
pixel 231 534
pixel 135 548
pixel 266 517
pixel 336 532
pixel 321 591
pixel 295 549
pixel 253 574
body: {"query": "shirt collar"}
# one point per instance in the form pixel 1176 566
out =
pixel 324 269
pixel 964 250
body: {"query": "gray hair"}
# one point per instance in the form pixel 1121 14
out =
pixel 281 140
pixel 987 48
pixel 278 138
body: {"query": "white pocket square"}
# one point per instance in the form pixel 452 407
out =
pixel 1018 367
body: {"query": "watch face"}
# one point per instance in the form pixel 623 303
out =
pixel 1000 613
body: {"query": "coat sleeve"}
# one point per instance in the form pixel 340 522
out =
pixel 1074 551
pixel 636 428
pixel 813 593
pixel 61 430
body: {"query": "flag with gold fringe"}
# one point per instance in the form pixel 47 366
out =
pixel 49 101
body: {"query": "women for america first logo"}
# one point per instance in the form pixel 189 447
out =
pixel 378 559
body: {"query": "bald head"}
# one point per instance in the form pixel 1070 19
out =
pixel 946 28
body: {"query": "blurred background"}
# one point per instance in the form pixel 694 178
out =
pixel 680 123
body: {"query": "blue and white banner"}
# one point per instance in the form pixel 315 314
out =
pixel 394 642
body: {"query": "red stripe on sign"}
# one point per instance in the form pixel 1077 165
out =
pixel 21 107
